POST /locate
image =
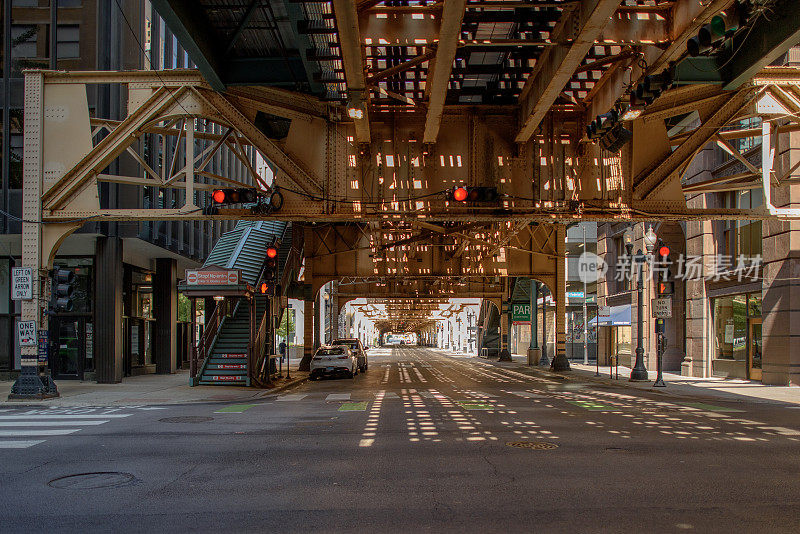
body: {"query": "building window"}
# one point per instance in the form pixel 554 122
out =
pixel 731 320
pixel 743 238
pixel 23 38
pixel 68 37
pixel 624 283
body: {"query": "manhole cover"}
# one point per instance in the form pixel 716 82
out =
pixel 536 445
pixel 101 479
pixel 187 419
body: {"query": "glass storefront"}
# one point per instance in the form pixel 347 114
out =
pixel 72 333
pixel 737 335
pixel 138 322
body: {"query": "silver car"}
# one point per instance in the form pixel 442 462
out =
pixel 335 360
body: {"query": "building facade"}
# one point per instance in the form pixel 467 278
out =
pixel 128 317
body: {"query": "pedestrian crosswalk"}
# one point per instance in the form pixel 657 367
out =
pixel 17 426
pixel 432 394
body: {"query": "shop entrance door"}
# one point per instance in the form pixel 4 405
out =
pixel 68 351
pixel 754 350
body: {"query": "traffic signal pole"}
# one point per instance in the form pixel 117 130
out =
pixel 34 381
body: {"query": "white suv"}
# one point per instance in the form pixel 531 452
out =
pixel 333 360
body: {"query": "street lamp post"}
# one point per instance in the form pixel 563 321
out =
pixel 639 372
pixel 585 313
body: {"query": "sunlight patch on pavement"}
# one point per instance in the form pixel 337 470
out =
pixel 235 408
pixel 353 406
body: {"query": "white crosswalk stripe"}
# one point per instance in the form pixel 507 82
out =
pixel 338 397
pixel 53 423
pixel 292 397
pixel 63 416
pixel 20 444
pixel 50 422
pixel 46 432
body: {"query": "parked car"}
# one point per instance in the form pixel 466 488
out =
pixel 356 348
pixel 333 360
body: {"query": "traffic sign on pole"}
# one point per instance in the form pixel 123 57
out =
pixel 21 283
pixel 662 307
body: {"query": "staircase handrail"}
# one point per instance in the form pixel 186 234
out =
pixel 210 333
pixel 262 374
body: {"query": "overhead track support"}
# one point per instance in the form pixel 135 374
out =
pixel 452 17
pixel 558 63
pixel 350 42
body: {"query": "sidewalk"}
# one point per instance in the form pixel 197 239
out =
pixel 722 388
pixel 150 389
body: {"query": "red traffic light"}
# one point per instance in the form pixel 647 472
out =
pixel 272 252
pixel 460 194
pixel 663 251
pixel 218 196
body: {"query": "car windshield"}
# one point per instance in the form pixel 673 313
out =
pixel 330 352
pixel 351 344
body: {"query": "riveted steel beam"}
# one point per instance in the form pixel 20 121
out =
pixel 556 67
pixel 452 15
pixel 350 42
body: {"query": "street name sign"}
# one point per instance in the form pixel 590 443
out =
pixel 21 283
pixel 662 307
pixel 212 278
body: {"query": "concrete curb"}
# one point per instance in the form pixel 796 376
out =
pixel 680 391
pixel 63 402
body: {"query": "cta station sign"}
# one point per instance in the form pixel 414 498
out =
pixel 223 277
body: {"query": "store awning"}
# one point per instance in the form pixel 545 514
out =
pixel 618 316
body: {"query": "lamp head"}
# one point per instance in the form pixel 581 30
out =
pixel 650 239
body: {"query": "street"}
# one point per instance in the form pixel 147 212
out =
pixel 423 441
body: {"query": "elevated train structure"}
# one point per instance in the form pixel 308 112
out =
pixel 372 113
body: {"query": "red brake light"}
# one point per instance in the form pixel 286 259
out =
pixel 460 194
pixel 218 196
pixel 272 252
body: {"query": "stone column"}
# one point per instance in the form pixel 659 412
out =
pixel 699 243
pixel 534 352
pixel 108 347
pixel 310 321
pixel 781 273
pixel 334 304
pixel 560 361
pixel 165 307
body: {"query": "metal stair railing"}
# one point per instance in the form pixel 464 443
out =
pixel 209 337
pixel 221 324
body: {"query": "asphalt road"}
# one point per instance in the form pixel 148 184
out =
pixel 421 442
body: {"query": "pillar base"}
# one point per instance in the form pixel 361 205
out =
pixel 305 363
pixel 31 385
pixel 505 356
pixel 534 356
pixel 560 363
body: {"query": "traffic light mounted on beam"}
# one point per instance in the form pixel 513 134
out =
pixel 465 194
pixel 61 290
pixel 262 203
